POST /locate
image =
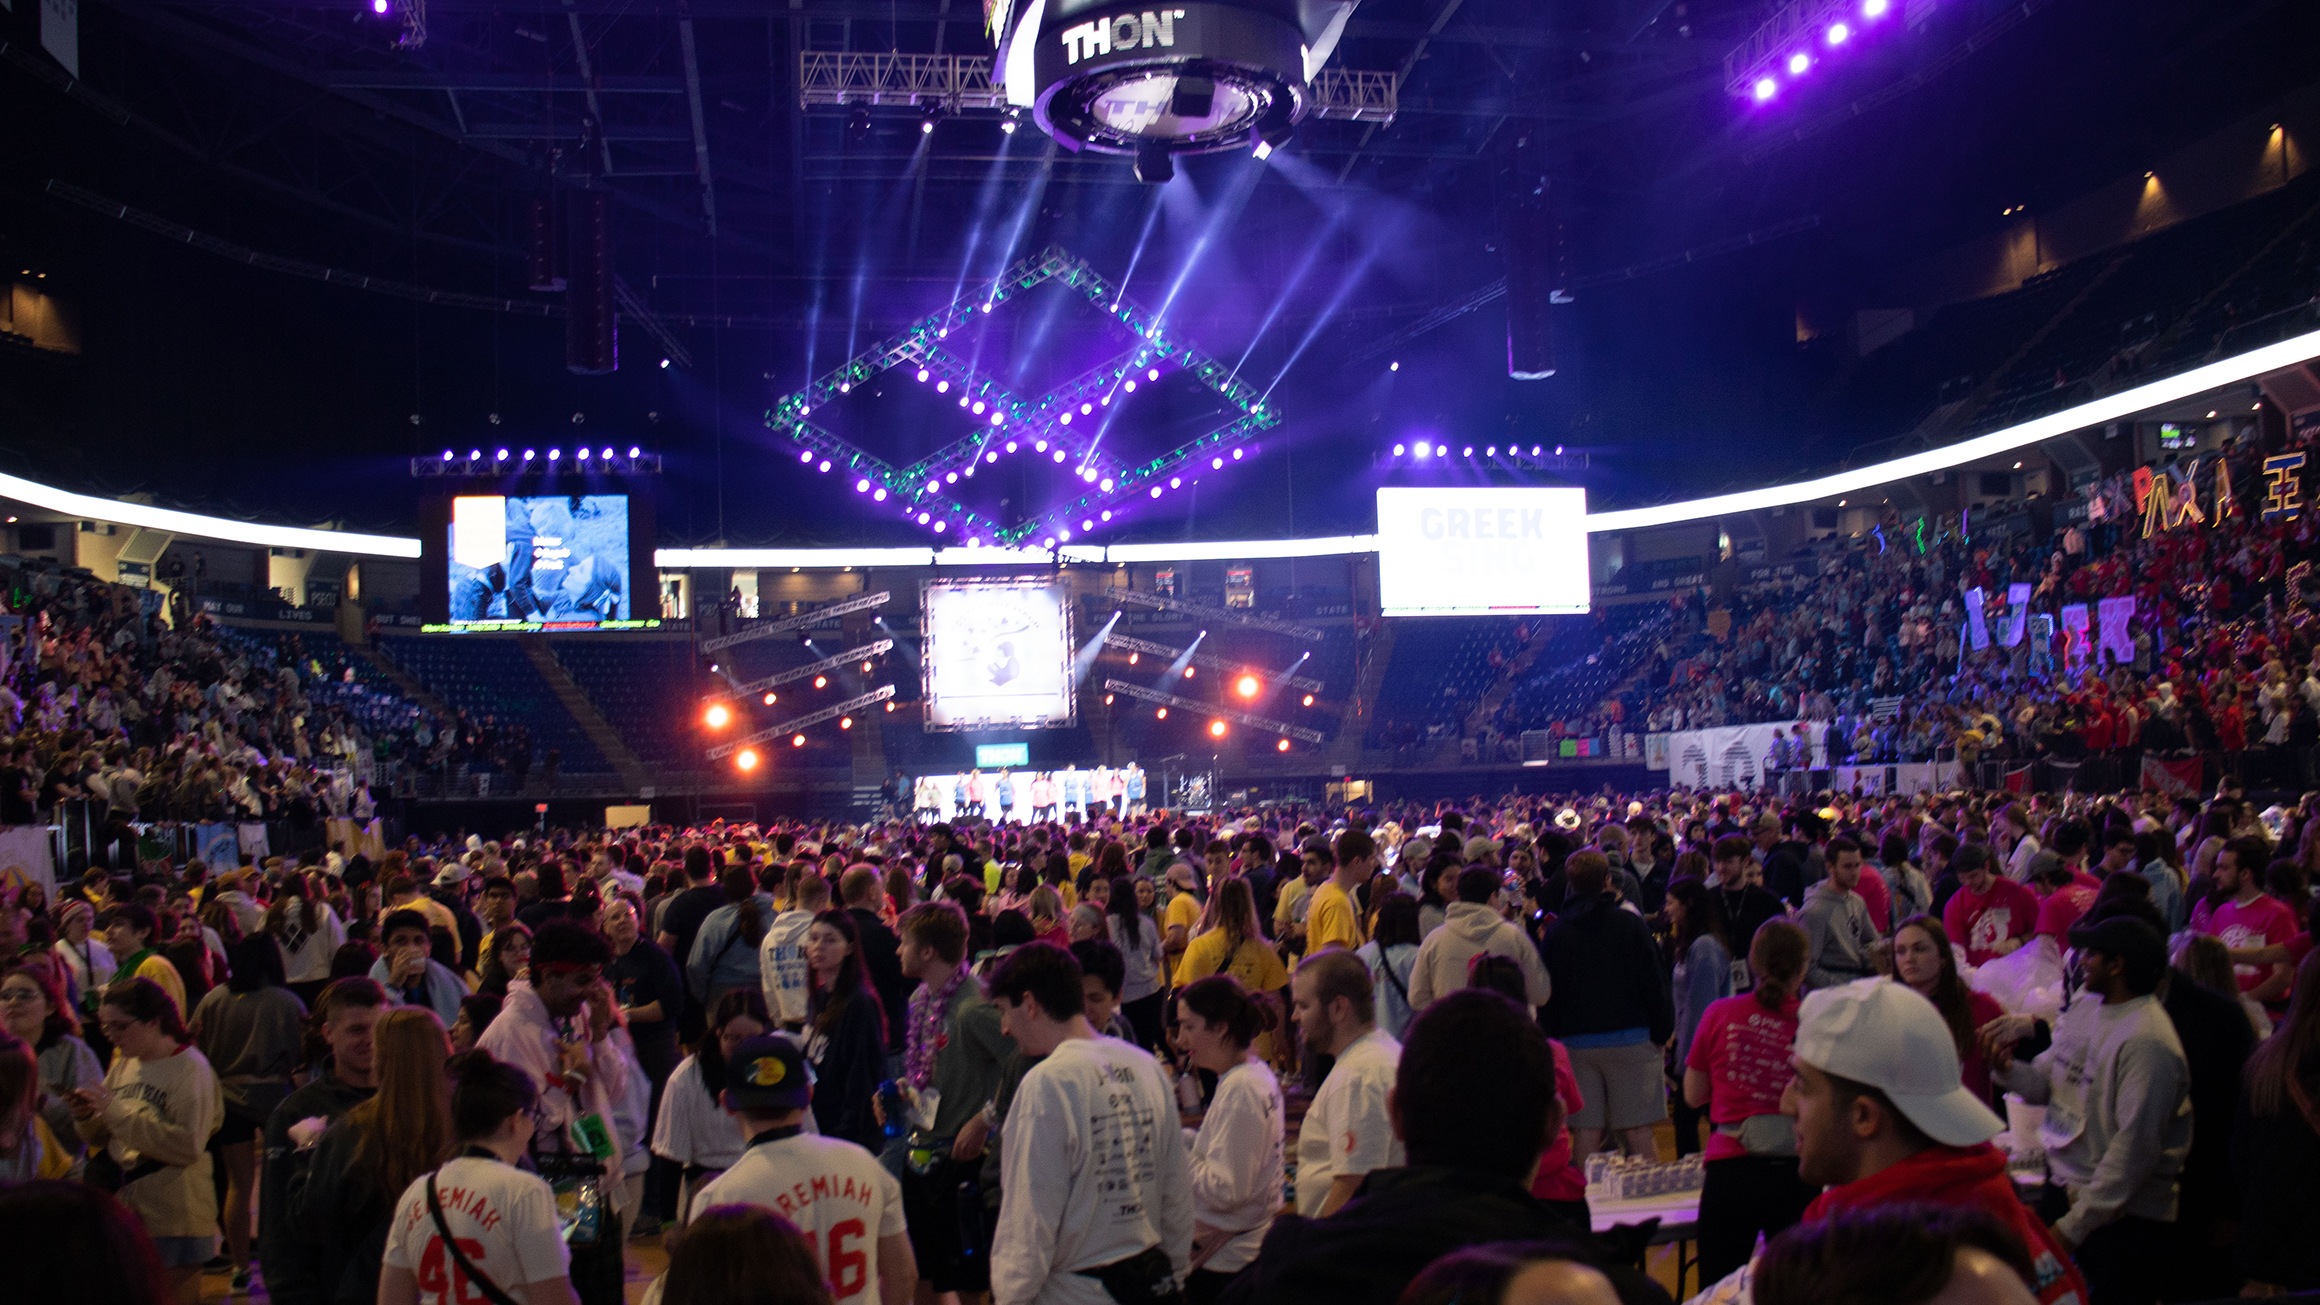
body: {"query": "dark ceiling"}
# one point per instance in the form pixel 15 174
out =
pixel 243 146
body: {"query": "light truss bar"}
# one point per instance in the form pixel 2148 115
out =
pixel 1793 23
pixel 1231 714
pixel 816 668
pixel 1033 420
pixel 961 83
pixel 1228 615
pixel 1213 663
pixel 796 723
pixel 768 629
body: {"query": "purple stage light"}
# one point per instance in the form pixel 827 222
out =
pixel 378 6
pixel 942 387
pixel 979 405
pixel 633 451
pixel 554 454
pixel 1175 482
pixel 608 453
pixel 1107 515
pixel 1039 446
pixel 1067 419
pixel 447 455
pixel 990 457
pixel 1155 491
pixel 922 374
pixel 1152 375
pixel 998 418
pixel 1105 484
pixel 951 476
pixel 1876 8
pixel 1216 464
pixel 934 487
pixel 1766 88
pixel 1237 454
pixel 1397 450
pixel 582 455
pixel 845 387
pixel 1838 33
pixel 861 486
pixel 1798 62
pixel 941 526
pixel 527 455
pixel 475 455
pixel 1059 455
pixel 825 467
pixel 1050 542
pixel 1131 386
pixel 804 413
pixel 1535 450
pixel 963 400
pixel 1468 453
pixel 1424 449
pixel 1558 450
pixel 1063 535
pixel 1086 408
pixel 502 456
pixel 1490 452
pixel 1011 447
pixel 1105 401
pixel 923 518
pixel 1088 474
pixel 807 456
pixel 878 495
pixel 974 541
pixel 1088 524
pixel 986 308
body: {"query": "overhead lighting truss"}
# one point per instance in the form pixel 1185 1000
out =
pixel 822 667
pixel 796 723
pixel 921 345
pixel 960 84
pixel 1234 715
pixel 768 629
pixel 1225 665
pixel 1227 615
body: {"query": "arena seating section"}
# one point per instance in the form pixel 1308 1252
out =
pixel 491 677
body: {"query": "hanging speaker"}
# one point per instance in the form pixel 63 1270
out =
pixel 591 329
pixel 543 262
pixel 1533 270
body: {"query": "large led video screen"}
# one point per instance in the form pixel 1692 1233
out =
pixel 1493 551
pixel 997 654
pixel 554 562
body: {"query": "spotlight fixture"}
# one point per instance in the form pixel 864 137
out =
pixel 718 716
pixel 1216 729
pixel 858 126
pixel 797 740
pixel 927 119
pixel 1154 165
pixel 746 759
pixel 1281 746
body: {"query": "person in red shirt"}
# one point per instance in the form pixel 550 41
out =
pixel 2247 918
pixel 1989 915
pixel 1739 1069
pixel 2069 890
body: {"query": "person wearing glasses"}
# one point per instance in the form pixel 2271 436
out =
pixel 152 1118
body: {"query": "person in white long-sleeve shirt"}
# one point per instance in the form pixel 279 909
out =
pixel 781 957
pixel 1237 1152
pixel 1349 1129
pixel 1095 1182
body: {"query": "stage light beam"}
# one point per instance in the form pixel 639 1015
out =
pixel 746 759
pixel 718 716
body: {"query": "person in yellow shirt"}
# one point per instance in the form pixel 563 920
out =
pixel 1333 920
pixel 1235 945
pixel 128 930
pixel 1316 860
pixel 1182 914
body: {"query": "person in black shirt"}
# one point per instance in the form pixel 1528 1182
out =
pixel 651 993
pixel 17 786
pixel 681 921
pixel 344 1017
pixel 1740 890
pixel 881 951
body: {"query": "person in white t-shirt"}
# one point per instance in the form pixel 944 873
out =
pixel 1349 1129
pixel 501 1219
pixel 781 957
pixel 844 1202
pixel 1096 1186
pixel 1236 1155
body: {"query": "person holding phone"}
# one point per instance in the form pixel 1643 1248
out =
pixel 409 972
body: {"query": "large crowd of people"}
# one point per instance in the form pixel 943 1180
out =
pixel 1237 1057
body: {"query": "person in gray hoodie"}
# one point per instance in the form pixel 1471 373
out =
pixel 1473 927
pixel 1837 924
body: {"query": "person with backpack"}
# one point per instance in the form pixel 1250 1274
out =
pixel 478 1227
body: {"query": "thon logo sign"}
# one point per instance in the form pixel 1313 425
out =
pixel 1154 29
pixel 1479 551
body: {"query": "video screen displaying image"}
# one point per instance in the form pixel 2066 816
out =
pixel 998 655
pixel 554 561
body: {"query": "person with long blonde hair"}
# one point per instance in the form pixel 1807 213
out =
pixel 373 1153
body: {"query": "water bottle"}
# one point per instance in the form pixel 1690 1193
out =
pixel 890 1100
pixel 1188 1091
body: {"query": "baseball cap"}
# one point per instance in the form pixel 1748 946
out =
pixel 767 1073
pixel 454 873
pixel 1886 1035
pixel 2129 939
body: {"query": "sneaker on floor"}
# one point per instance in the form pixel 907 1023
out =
pixel 241 1285
pixel 218 1264
pixel 646 1226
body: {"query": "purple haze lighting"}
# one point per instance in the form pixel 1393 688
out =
pixel 1876 8
pixel 963 400
pixel 934 487
pixel 1468 453
pixel 1050 543
pixel 951 476
pixel 1490 452
pixel 1766 88
pixel 1064 535
pixel 1088 474
pixel 1131 386
pixel 1107 515
pixel 1059 455
pixel 998 418
pixel 1086 408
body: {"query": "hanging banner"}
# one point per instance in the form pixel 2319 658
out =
pixel 1977 625
pixel 217 846
pixel 2017 614
pixel 2117 641
pixel 26 857
pixel 1730 756
pixel 2185 775
pixel 252 837
pixel 1655 751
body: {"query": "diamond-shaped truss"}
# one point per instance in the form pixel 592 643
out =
pixel 1014 418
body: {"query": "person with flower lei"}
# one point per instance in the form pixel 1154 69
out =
pixel 953 1056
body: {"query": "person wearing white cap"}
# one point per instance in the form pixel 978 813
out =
pixel 1883 1117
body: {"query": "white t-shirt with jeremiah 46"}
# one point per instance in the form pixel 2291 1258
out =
pixel 1348 1129
pixel 504 1218
pixel 834 1191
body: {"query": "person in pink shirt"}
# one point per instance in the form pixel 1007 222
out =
pixel 1990 915
pixel 1878 897
pixel 1739 1068
pixel 2245 917
pixel 2062 878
